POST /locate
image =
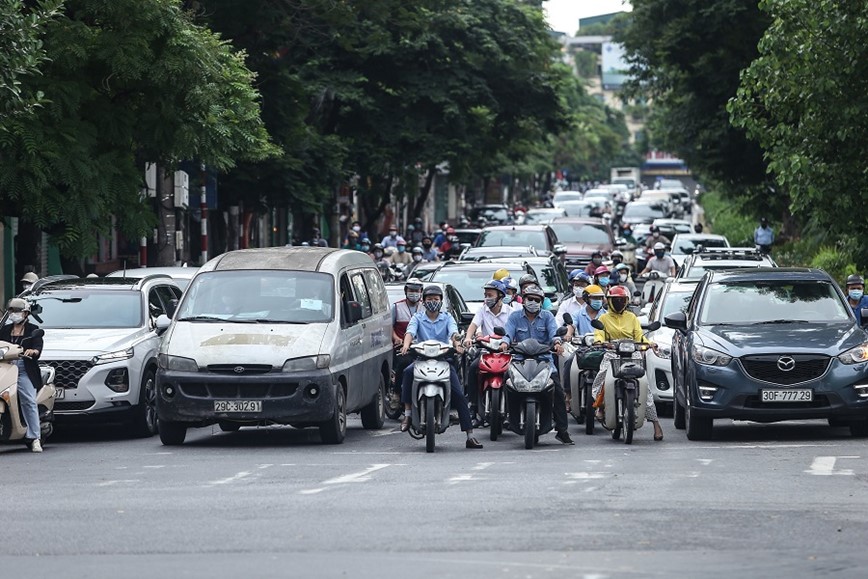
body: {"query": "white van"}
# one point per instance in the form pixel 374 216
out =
pixel 288 335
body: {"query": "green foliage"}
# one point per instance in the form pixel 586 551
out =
pixel 805 99
pixel 728 217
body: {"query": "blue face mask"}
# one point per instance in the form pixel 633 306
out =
pixel 597 305
pixel 401 249
pixel 507 299
pixel 366 247
pixel 603 281
pixel 856 295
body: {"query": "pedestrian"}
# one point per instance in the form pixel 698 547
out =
pixel 27 281
pixel 856 295
pixel 764 236
pixel 317 240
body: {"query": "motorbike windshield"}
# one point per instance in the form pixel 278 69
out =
pixel 531 348
pixel 263 296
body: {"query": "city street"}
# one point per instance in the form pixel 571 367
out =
pixel 758 501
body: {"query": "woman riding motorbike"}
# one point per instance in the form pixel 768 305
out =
pixel 29 376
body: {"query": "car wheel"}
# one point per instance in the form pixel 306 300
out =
pixel 859 428
pixel 333 430
pixel 698 427
pixel 144 422
pixel 374 414
pixel 172 433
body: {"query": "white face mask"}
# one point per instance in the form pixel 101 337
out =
pixel 16 318
pixel 356 228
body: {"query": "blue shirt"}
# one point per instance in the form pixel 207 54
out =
pixel 422 328
pixel 583 321
pixel 857 309
pixel 764 236
pixel 542 329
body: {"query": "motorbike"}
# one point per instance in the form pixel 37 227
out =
pixel 394 409
pixel 493 365
pixel 431 393
pixel 584 367
pixel 654 284
pixel 530 388
pixel 12 425
pixel 625 391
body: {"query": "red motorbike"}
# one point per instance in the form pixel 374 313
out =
pixel 493 365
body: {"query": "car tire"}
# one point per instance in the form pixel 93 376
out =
pixel 678 415
pixel 144 422
pixel 698 427
pixel 374 414
pixel 333 430
pixel 859 429
pixel 173 433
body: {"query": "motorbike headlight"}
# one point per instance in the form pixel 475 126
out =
pixel 855 355
pixel 709 357
pixel 626 347
pixel 307 363
pixel 112 357
pixel 177 363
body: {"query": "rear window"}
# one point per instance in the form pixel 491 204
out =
pixel 498 237
pixel 468 282
pixel 590 233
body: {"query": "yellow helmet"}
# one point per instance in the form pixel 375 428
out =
pixel 594 290
pixel 501 273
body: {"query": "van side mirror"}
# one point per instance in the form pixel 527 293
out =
pixel 676 321
pixel 597 325
pixel 354 312
pixel 162 324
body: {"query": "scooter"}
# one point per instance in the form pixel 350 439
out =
pixel 431 394
pixel 530 389
pixel 654 284
pixel 625 391
pixel 493 365
pixel 583 371
pixel 12 425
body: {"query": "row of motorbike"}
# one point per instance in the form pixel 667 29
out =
pixel 516 389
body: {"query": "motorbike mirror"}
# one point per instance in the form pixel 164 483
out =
pixel 637 294
pixel 568 320
pixel 597 325
pixel 38 333
pixel 864 312
pixel 562 331
pixel 499 331
pixel 652 327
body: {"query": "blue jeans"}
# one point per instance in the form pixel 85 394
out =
pixel 459 402
pixel 27 396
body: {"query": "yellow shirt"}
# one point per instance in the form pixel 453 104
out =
pixel 620 326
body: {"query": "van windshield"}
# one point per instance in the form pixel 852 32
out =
pixel 264 296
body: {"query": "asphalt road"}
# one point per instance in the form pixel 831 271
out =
pixel 758 501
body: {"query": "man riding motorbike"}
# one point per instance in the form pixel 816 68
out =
pixel 29 376
pixel 578 281
pixel 596 261
pixel 620 324
pixel 529 279
pixel 432 324
pixel 660 262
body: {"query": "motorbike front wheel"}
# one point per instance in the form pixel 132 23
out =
pixel 589 407
pixel 619 420
pixel 629 416
pixel 430 422
pixel 496 421
pixel 530 424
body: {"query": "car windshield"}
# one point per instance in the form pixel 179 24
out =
pixel 296 297
pixel 674 302
pixel 90 309
pixel 642 210
pixel 769 302
pixel 468 282
pixel 498 214
pixel 542 215
pixel 567 196
pixel 683 246
pixel 590 233
pixel 497 237
pixel 548 279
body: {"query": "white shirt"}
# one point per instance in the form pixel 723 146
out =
pixel 572 307
pixel 486 320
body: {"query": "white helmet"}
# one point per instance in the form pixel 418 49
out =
pixel 18 304
pixel 659 245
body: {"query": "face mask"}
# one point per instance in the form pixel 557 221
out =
pixel 378 254
pixel 417 258
pixel 578 291
pixel 16 318
pixel 603 281
pixel 426 245
pixel 393 234
pixel 356 228
pixel 433 306
pixel 597 305
pixel 490 302
pixel 616 260
pixel 532 307
pixel 414 297
pixel 401 249
pixel 659 254
pixel 597 260
pixel 366 247
pixel 656 234
pixel 855 295
pixel 507 300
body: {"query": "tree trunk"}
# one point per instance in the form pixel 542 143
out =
pixel 166 218
pixel 423 194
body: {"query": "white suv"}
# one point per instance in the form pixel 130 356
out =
pixel 101 340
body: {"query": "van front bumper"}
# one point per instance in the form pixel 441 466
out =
pixel 283 397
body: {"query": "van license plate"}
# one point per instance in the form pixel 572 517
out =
pixel 237 406
pixel 59 393
pixel 787 395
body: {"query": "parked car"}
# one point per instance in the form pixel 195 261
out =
pixel 181 275
pixel 696 264
pixel 582 237
pixel 283 335
pixel 768 344
pixel 685 244
pixel 101 340
pixel 491 214
pixel 540 237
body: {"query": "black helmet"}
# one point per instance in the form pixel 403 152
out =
pixel 527 278
pixel 654 228
pixel 432 290
pixel 855 279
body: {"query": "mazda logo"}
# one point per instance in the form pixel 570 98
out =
pixel 240 369
pixel 786 364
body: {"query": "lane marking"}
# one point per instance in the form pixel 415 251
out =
pixel 463 478
pixel 264 466
pixel 155 466
pixel 825 466
pixel 705 461
pixel 578 476
pixel 310 491
pixel 231 479
pixel 376 434
pixel 109 483
pixel 356 477
pixel 482 466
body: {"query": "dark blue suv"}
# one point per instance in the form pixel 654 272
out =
pixel 768 344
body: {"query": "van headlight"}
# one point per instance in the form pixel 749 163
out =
pixel 112 357
pixel 177 363
pixel 855 355
pixel 307 363
pixel 709 357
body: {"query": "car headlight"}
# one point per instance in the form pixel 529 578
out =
pixel 307 363
pixel 112 357
pixel 664 352
pixel 709 357
pixel 855 355
pixel 177 363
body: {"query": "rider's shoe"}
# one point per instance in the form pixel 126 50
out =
pixel 564 437
pixel 472 443
pixel 405 424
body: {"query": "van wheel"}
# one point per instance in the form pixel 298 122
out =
pixel 333 430
pixel 374 414
pixel 859 429
pixel 144 422
pixel 172 433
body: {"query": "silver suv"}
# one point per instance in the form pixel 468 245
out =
pixel 101 340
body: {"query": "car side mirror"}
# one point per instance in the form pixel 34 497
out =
pixel 597 325
pixel 354 312
pixel 162 324
pixel 676 321
pixel 38 333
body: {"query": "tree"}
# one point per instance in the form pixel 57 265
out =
pixel 805 99
pixel 127 81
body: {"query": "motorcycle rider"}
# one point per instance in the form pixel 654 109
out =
pixel 418 231
pixel 401 256
pixel 450 248
pixel 402 312
pixel 432 324
pixel 29 376
pixel 377 253
pixel 391 240
pixel 592 306
pixel 534 322
pixel 365 245
pixel 27 281
pixel 578 282
pixel 512 299
pixel 656 237
pixel 622 271
pixel 596 261
pixel 429 252
pixel 530 279
pixel 602 277
pixel 660 262
pixel 492 314
pixel 856 296
pixel 620 323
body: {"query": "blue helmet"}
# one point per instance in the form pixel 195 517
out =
pixel 579 274
pixel 495 285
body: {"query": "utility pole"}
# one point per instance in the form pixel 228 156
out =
pixel 203 208
pixel 166 226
